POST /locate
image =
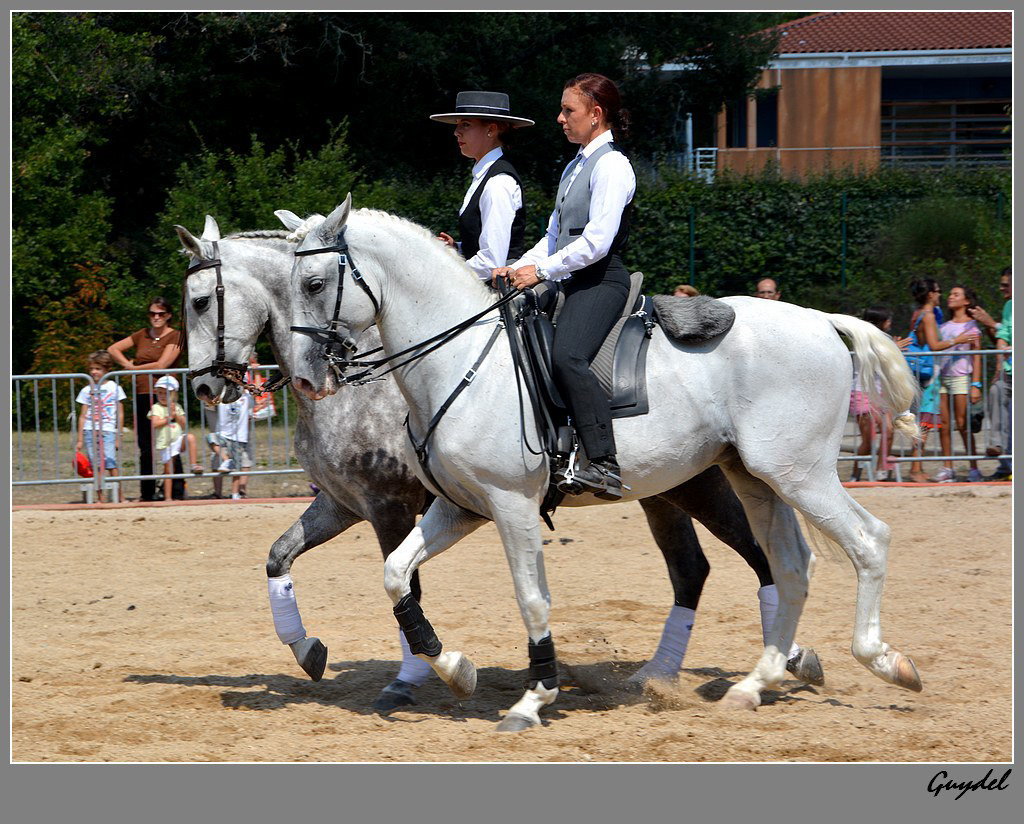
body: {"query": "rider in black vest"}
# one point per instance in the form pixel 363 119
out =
pixel 586 233
pixel 492 218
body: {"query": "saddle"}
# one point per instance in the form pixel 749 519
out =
pixel 620 365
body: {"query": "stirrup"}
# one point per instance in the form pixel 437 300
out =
pixel 609 487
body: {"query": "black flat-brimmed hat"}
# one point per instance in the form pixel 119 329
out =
pixel 484 105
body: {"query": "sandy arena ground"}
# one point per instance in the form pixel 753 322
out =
pixel 144 634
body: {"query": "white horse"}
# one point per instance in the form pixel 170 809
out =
pixel 766 402
pixel 352 446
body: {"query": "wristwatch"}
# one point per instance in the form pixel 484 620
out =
pixel 541 275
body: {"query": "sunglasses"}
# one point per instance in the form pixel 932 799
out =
pixel 159 314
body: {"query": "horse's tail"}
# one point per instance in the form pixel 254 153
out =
pixel 884 373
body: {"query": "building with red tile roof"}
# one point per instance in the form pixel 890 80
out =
pixel 860 89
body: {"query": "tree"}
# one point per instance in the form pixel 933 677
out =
pixel 71 81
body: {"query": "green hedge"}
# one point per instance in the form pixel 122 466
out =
pixel 898 224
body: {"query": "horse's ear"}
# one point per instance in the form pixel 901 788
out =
pixel 189 242
pixel 336 219
pixel 211 231
pixel 290 220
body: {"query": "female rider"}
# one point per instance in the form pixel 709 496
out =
pixel 586 233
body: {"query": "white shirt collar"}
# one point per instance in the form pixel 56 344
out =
pixel 486 161
pixel 596 143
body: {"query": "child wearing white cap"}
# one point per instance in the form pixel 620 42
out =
pixel 169 422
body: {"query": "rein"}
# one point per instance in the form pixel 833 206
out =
pixel 220 367
pixel 331 336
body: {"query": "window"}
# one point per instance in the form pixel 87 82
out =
pixel 768 120
pixel 736 124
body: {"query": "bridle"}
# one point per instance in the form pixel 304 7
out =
pixel 220 367
pixel 333 336
pixel 337 334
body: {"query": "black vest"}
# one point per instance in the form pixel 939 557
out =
pixel 471 224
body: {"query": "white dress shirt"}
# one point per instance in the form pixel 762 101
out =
pixel 499 202
pixel 614 185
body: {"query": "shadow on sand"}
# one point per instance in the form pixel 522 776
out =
pixel 598 687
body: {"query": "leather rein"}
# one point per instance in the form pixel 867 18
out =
pixel 337 335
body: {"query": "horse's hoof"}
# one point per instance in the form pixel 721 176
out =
pixel 312 657
pixel 637 683
pixel 513 722
pixel 905 673
pixel 396 694
pixel 735 699
pixel 463 678
pixel 806 666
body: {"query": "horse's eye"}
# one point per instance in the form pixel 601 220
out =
pixel 201 304
pixel 314 285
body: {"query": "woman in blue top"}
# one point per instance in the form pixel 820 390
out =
pixel 492 217
pixel 586 233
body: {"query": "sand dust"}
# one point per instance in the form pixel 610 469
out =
pixel 144 634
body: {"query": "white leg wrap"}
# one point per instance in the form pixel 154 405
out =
pixel 285 610
pixel 668 658
pixel 768 600
pixel 414 670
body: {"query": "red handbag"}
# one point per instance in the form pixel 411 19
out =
pixel 82 465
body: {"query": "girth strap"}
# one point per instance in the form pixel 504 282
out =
pixel 422 454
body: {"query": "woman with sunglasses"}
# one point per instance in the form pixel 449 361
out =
pixel 156 347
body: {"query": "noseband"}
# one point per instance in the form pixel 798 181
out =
pixel 220 367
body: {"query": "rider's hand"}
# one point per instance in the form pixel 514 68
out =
pixel 501 272
pixel 446 238
pixel 524 277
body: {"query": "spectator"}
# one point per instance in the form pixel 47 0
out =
pixel 262 402
pixel 156 347
pixel 924 329
pixel 768 289
pixel 956 374
pixel 1000 399
pixel 231 441
pixel 685 290
pixel 102 417
pixel 168 419
pixel 211 425
pixel 869 419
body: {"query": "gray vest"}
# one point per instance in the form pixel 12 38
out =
pixel 574 208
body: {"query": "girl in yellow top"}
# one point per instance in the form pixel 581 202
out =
pixel 168 420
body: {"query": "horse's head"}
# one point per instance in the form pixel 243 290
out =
pixel 222 312
pixel 331 305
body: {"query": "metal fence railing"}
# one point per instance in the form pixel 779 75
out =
pixel 45 418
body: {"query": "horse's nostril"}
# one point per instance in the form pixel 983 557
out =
pixel 203 392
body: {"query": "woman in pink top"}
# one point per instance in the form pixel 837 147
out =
pixel 957 374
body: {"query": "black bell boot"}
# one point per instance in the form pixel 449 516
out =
pixel 601 477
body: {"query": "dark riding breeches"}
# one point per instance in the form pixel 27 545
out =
pixel 593 303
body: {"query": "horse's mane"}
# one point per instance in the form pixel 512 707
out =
pixel 421 233
pixel 260 233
